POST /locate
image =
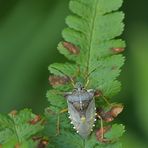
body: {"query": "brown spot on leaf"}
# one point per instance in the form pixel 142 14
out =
pixel 106 116
pixel 116 110
pixel 118 50
pixel 42 142
pixel 97 93
pixel 49 111
pixel 58 80
pixel 71 48
pixel 13 113
pixel 111 113
pixel 35 120
pixel 100 134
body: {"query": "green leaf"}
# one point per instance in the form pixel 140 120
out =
pixel 68 139
pixel 92 142
pixel 25 144
pixel 57 101
pixel 115 132
pixel 93 32
pixel 112 145
pixel 80 6
pixel 5 121
pixel 63 69
pixel 18 127
pixel 106 72
pixel 93 28
pixel 6 135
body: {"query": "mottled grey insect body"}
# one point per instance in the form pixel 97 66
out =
pixel 82 111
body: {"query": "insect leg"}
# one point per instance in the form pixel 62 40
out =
pixel 72 82
pixel 67 94
pixel 99 93
pixel 106 100
pixel 102 130
pixel 87 82
pixel 58 121
pixel 64 110
pixel 58 126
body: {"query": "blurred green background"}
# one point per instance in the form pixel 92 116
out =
pixel 29 33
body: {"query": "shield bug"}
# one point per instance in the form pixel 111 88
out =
pixel 81 109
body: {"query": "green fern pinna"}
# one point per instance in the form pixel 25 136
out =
pixel 92 47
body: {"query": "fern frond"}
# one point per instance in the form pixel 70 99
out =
pixel 92 28
pixel 18 127
pixel 92 46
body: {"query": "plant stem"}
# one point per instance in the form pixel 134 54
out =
pixel 83 143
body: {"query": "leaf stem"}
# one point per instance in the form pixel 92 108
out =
pixel 58 125
pixel 102 132
pixel 105 99
pixel 91 35
pixel 84 143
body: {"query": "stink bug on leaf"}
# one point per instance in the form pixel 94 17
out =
pixel 81 109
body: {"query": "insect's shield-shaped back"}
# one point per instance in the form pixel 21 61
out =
pixel 82 111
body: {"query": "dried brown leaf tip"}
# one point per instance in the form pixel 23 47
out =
pixel 110 114
pixel 106 116
pixel 0 146
pixel 37 138
pixel 71 48
pixel 36 119
pixel 118 50
pixel 116 110
pixel 13 113
pixel 42 142
pixel 48 111
pixel 97 93
pixel 100 134
pixel 58 80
